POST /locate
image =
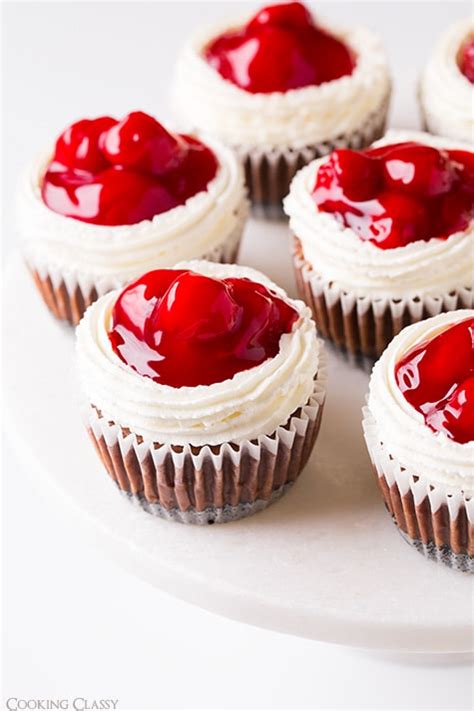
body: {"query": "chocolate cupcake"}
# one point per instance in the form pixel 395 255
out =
pixel 384 237
pixel 283 88
pixel 114 199
pixel 447 84
pixel 204 389
pixel 419 429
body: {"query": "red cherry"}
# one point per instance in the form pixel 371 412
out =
pixel 135 305
pixel 139 141
pixel 111 173
pixel 437 379
pixel 270 60
pixel 292 14
pixel 464 164
pixel 270 317
pixel 457 211
pixel 402 219
pixel 396 194
pixel 466 63
pixel 189 329
pixel 196 307
pixel 128 197
pixel 116 196
pixel 278 50
pixel 428 371
pixel 419 170
pixel 197 169
pixel 358 175
pixel 78 146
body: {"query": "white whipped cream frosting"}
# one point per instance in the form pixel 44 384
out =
pixel 338 255
pixel 402 429
pixel 122 252
pixel 446 95
pixel 292 119
pixel 252 403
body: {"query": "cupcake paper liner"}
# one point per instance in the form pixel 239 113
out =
pixel 435 519
pixel 68 293
pixel 363 325
pixel 268 173
pixel 208 484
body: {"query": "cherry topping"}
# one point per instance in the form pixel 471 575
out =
pixel 186 329
pixel 437 379
pixel 397 194
pixel 119 173
pixel 466 60
pixel 279 49
pixel 78 145
pixel 291 14
pixel 139 141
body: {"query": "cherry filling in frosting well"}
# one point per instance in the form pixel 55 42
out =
pixel 186 329
pixel 399 193
pixel 110 172
pixel 437 379
pixel 279 49
pixel 466 59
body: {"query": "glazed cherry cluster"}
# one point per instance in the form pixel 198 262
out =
pixel 466 60
pixel 399 193
pixel 181 328
pixel 437 379
pixel 279 49
pixel 110 172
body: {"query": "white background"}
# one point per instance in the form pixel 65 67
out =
pixel 75 624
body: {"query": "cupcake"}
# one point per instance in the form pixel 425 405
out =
pixel 384 237
pixel 447 85
pixel 419 429
pixel 114 199
pixel 204 388
pixel 282 88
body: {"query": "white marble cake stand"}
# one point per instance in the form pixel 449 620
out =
pixel 325 562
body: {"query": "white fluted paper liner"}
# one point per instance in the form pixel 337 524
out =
pixel 435 518
pixel 209 484
pixel 362 324
pixel 68 292
pixel 269 172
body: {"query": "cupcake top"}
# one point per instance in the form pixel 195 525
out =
pixel 280 78
pixel 422 398
pixel 200 354
pixel 108 172
pixel 116 197
pixel 392 221
pixel 447 89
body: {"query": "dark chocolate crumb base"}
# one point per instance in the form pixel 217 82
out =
pixel 441 554
pixel 210 515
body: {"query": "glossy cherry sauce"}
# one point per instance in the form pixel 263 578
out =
pixel 110 172
pixel 279 49
pixel 437 379
pixel 186 329
pixel 399 193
